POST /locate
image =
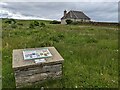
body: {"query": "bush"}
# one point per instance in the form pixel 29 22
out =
pixel 55 22
pixel 20 24
pixel 10 21
pixel 36 23
pixel 69 21
pixel 42 24
pixel 13 26
pixel 76 23
pixel 31 25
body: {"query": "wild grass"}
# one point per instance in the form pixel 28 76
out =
pixel 90 53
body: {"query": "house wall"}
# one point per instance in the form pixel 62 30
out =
pixel 63 21
pixel 82 20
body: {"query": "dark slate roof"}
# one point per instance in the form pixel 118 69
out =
pixel 75 15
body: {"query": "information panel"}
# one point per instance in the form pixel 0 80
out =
pixel 36 54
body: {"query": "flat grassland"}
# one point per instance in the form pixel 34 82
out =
pixel 90 52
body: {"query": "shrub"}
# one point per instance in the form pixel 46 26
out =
pixel 10 21
pixel 31 25
pixel 36 23
pixel 42 24
pixel 69 21
pixel 20 24
pixel 76 23
pixel 14 21
pixel 55 22
pixel 13 26
pixel 91 29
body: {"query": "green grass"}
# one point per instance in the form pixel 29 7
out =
pixel 0 74
pixel 90 53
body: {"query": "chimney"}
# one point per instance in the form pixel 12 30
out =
pixel 65 12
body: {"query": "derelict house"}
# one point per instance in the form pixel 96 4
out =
pixel 74 16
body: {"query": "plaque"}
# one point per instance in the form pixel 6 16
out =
pixel 36 54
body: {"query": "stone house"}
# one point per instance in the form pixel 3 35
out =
pixel 74 16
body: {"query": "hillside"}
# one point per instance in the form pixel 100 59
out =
pixel 90 52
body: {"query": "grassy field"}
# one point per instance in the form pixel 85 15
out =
pixel 90 53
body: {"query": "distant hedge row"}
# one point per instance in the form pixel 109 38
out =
pixel 55 22
pixel 36 23
pixel 92 23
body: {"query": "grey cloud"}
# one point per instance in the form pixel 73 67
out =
pixel 54 10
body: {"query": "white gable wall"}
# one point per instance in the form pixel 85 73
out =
pixel 63 21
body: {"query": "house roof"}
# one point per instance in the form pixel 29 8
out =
pixel 75 15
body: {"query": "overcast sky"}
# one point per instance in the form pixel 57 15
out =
pixel 97 11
